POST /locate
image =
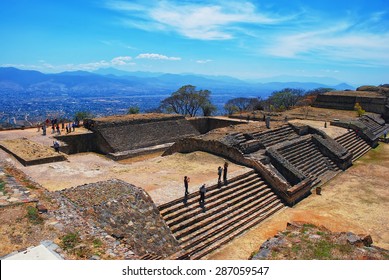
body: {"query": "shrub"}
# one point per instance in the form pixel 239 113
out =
pixel 33 215
pixel 70 240
pixel 359 110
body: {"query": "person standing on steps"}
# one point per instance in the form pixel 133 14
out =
pixel 186 184
pixel 219 173
pixel 203 190
pixel 225 169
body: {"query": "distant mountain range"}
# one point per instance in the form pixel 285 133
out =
pixel 116 82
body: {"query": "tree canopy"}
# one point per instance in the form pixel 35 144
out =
pixel 188 101
pixel 285 98
pixel 242 104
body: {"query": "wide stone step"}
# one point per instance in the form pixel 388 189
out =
pixel 358 145
pixel 238 229
pixel 345 137
pixel 223 221
pixel 314 163
pixel 214 200
pixel 281 134
pixel 280 140
pixel 360 153
pixel 319 171
pixel 167 207
pixel 291 148
pixel 352 142
pixel 306 154
pixel 272 131
pixel 297 149
pixel 200 215
pixel 309 158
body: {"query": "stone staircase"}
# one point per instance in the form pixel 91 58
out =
pixel 275 136
pixel 373 126
pixel 229 210
pixel 150 257
pixel 354 144
pixel 307 158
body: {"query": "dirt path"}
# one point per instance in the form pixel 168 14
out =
pixel 356 200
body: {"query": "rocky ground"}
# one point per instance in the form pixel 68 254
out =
pixel 302 241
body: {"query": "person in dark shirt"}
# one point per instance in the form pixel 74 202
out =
pixel 186 184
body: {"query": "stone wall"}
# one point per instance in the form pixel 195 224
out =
pixel 77 143
pixel 293 175
pixel 369 104
pixel 127 213
pixel 334 151
pixel 123 134
pixel 206 124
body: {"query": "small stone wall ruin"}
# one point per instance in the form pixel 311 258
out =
pixel 125 212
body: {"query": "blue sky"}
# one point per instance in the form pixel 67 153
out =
pixel 347 40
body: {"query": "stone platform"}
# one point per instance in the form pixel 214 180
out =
pixel 30 153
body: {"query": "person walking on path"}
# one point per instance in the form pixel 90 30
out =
pixel 203 190
pixel 186 184
pixel 225 172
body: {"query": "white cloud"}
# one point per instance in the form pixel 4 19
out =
pixel 203 61
pixel 341 42
pixel 156 56
pixel 194 20
pixel 121 60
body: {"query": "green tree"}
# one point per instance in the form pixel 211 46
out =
pixel 242 104
pixel 285 98
pixel 188 101
pixel 82 115
pixel 133 110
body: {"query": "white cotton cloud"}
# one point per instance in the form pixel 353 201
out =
pixel 156 56
pixel 203 61
pixel 121 60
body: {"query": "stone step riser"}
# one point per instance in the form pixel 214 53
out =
pixel 190 220
pixel 261 133
pixel 356 149
pixel 225 222
pixel 210 224
pixel 276 135
pixel 291 148
pixel 232 234
pixel 347 134
pixel 360 153
pixel 213 239
pixel 352 142
pixel 214 201
pixel 295 150
pixel 346 138
pixel 310 168
pixel 205 238
pixel 274 138
pixel 308 155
